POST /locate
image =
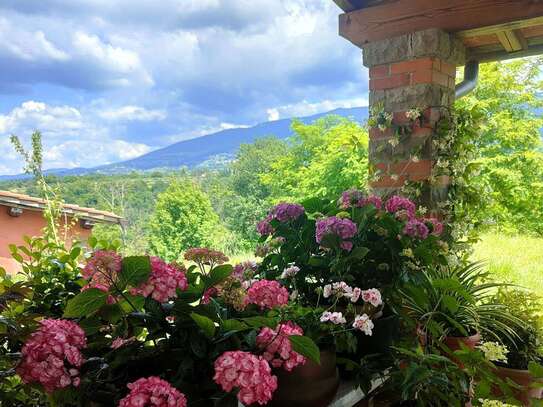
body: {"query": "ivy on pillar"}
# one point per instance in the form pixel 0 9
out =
pixel 412 82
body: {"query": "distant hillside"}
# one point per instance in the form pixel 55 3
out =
pixel 204 150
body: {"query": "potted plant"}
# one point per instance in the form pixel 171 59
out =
pixel 521 364
pixel 452 305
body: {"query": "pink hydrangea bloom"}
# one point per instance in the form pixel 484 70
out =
pixel 436 225
pixel 398 204
pixel 333 317
pixel 355 198
pixel 208 294
pixel 267 294
pixel 363 323
pixel 277 347
pixel 163 281
pixel 250 373
pixel 153 392
pixel 372 296
pixel 102 268
pixel 52 355
pixel 416 229
pixel 343 228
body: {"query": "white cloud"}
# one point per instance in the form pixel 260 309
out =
pixel 132 113
pixel 305 108
pixel 72 137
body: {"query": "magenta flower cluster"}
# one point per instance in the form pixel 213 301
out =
pixel 416 229
pixel 153 392
pixel 343 228
pixel 354 198
pixel 102 269
pixel 283 212
pixel 249 373
pixel 163 282
pixel 267 294
pixel 277 347
pixel 399 206
pixel 52 355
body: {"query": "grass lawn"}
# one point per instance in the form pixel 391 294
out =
pixel 513 259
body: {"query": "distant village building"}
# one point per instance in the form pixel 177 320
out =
pixel 22 215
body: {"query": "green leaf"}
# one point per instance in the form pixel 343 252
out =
pixel 233 325
pixel 85 303
pixel 92 242
pixel 535 369
pixel 76 251
pixel 359 253
pixel 135 270
pixel 218 275
pixel 206 324
pixel 305 347
pixel 259 322
pixel 450 303
pixel 90 325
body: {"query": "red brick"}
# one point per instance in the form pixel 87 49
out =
pixel 400 118
pixel 432 115
pixel 383 167
pixel 393 81
pixel 379 71
pixel 448 69
pixel 412 66
pixel 387 182
pixel 423 76
pixel 376 134
pixel 422 132
pixel 411 168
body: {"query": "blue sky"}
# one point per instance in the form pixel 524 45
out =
pixel 109 80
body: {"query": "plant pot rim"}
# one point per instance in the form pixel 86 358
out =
pixel 512 370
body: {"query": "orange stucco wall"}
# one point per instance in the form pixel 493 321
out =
pixel 30 223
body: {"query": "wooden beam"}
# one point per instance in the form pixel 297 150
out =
pixel 493 29
pixel 512 41
pixel 503 55
pixel 405 16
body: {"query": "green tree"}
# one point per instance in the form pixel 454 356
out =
pixel 183 218
pixel 324 159
pixel 509 147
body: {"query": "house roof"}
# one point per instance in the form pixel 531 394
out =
pixel 12 199
pixel 490 29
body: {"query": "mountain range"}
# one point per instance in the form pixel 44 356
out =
pixel 208 150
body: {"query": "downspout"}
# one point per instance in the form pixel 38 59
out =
pixel 471 75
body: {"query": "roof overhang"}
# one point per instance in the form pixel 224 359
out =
pixel 25 202
pixel 490 29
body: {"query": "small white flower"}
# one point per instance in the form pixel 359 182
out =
pixel 290 272
pixel 363 323
pixel 327 291
pixel 333 317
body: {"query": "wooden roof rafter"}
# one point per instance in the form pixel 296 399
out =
pixel 490 29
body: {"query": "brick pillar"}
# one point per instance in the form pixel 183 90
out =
pixel 415 70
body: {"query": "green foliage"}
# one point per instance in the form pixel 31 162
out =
pixel 183 218
pixel 324 159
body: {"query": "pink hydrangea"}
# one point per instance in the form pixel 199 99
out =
pixel 102 268
pixel 52 355
pixel 343 228
pixel 250 373
pixel 436 225
pixel 267 294
pixel 372 296
pixel 333 317
pixel 399 205
pixel 416 229
pixel 355 198
pixel 363 323
pixel 163 281
pixel 277 347
pixel 153 392
pixel 203 255
pixel 283 212
pixel 208 294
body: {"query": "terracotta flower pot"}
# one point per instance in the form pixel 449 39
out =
pixel 309 385
pixel 453 342
pixel 522 378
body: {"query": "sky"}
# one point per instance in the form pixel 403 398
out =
pixel 105 81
